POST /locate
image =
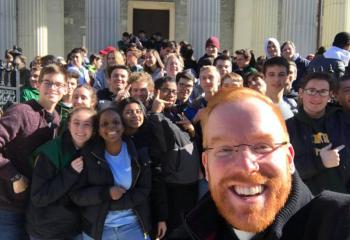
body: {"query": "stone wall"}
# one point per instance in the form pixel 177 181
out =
pixel 226 24
pixel 74 24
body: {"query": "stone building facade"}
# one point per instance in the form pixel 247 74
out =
pixel 56 26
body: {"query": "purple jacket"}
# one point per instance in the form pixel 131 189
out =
pixel 23 128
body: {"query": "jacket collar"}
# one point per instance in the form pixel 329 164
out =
pixel 204 221
pixel 98 150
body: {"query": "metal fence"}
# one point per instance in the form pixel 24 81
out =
pixel 9 84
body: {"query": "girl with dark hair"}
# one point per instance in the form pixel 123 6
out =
pixel 133 115
pixel 114 188
pixel 153 64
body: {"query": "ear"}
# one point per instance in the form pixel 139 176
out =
pixel 290 158
pixel 205 164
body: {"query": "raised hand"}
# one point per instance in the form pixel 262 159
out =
pixel 158 104
pixel 186 124
pixel 77 164
pixel 330 157
pixel 122 94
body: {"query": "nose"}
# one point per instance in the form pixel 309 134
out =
pixel 207 80
pixel 80 127
pixel 246 161
pixel 79 100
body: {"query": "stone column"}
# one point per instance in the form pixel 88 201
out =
pixel 336 18
pixel 102 23
pixel 32 27
pixel 298 24
pixel 203 22
pixel 8 22
pixel 265 15
pixel 55 27
pixel 254 22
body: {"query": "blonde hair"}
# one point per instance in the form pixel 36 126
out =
pixel 233 76
pixel 174 56
pixel 119 58
pixel 141 77
pixel 210 68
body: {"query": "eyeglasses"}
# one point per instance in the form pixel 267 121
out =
pixel 183 85
pixel 314 92
pixel 168 91
pixel 57 85
pixel 258 149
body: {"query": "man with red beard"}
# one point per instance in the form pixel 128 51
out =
pixel 255 192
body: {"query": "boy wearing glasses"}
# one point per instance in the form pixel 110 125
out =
pixel 175 159
pixel 23 128
pixel 255 192
pixel 318 133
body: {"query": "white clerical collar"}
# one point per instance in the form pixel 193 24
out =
pixel 242 235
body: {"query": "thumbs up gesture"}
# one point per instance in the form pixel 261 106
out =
pixel 330 157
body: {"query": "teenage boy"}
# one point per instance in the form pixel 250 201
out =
pixel 23 128
pixel 76 65
pixel 32 91
pixel 141 88
pixel 276 72
pixel 223 64
pixel 65 106
pixel 209 78
pixel 185 83
pixel 117 90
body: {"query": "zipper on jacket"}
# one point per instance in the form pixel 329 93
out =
pixel 145 234
pixel 99 158
pixel 138 173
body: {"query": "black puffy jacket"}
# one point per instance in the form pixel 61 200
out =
pixel 92 193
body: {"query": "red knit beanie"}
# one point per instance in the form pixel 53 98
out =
pixel 213 41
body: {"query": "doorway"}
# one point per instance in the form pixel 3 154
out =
pixel 152 17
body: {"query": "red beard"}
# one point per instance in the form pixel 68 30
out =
pixel 252 218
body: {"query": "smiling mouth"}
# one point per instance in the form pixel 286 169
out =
pixel 250 191
pixel 79 135
pixel 112 133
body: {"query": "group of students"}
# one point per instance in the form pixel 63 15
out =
pixel 133 168
pixel 82 175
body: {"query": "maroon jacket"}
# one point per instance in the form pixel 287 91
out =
pixel 23 128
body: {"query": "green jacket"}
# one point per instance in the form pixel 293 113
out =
pixel 60 151
pixel 29 93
